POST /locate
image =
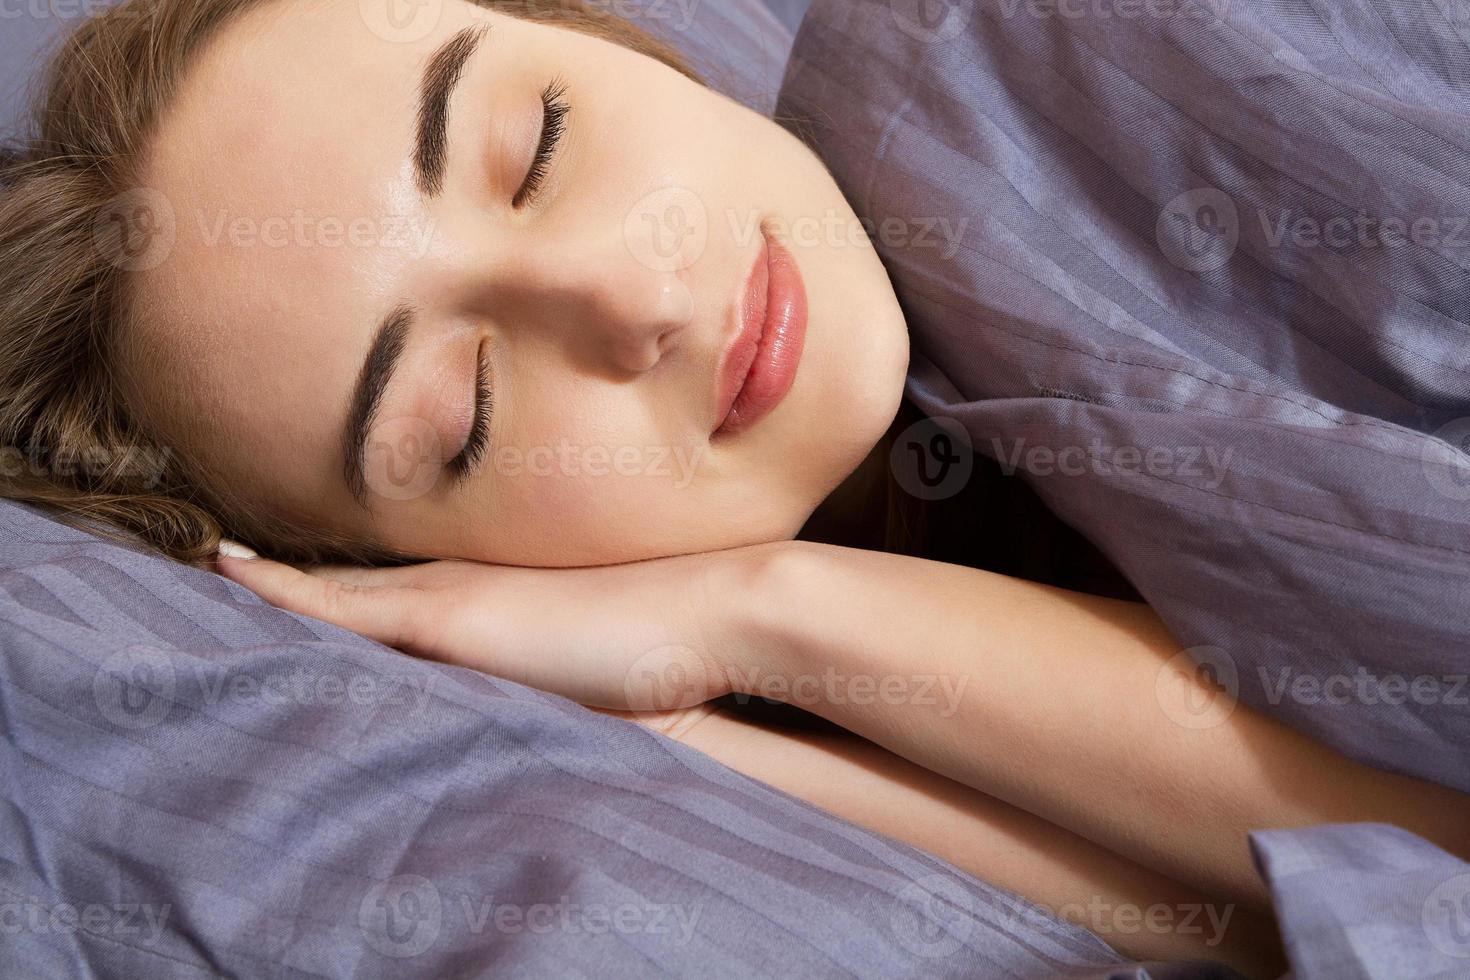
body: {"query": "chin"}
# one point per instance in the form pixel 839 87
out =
pixel 887 374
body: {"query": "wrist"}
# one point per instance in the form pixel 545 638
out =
pixel 769 604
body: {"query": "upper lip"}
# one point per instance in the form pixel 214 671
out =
pixel 739 353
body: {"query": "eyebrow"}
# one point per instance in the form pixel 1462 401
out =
pixel 441 76
pixel 377 370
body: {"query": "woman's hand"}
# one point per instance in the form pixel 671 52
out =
pixel 645 637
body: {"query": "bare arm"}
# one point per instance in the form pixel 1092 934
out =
pixel 1055 706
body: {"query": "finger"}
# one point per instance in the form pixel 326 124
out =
pixel 381 613
pixel 430 575
pixel 361 575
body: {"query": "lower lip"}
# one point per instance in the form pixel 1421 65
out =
pixel 757 371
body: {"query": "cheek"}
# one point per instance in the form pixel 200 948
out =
pixel 585 479
pixel 581 511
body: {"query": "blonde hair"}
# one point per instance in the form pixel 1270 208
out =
pixel 71 227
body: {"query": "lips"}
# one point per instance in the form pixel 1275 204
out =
pixel 757 367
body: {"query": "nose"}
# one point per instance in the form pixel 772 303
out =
pixel 587 291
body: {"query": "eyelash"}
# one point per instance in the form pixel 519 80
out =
pixel 473 452
pixel 554 110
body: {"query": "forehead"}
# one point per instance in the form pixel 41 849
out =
pixel 296 122
pixel 285 158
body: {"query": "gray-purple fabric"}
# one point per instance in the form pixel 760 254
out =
pixel 1367 901
pixel 1197 271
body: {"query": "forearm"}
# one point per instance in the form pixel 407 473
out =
pixel 1051 701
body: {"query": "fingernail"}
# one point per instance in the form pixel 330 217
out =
pixel 234 549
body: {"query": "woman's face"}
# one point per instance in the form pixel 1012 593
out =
pixel 332 236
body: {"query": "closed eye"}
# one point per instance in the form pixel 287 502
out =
pixel 554 110
pixel 472 455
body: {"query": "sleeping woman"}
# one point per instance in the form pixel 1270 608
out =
pixel 492 344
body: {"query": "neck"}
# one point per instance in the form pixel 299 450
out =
pixel 859 511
